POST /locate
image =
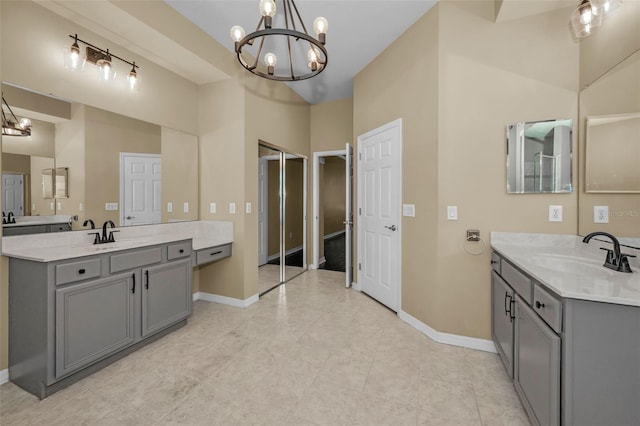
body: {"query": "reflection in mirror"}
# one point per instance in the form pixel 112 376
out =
pixel 539 157
pixel 295 202
pixel 268 219
pixel 84 146
pixel 613 153
pixel 47 184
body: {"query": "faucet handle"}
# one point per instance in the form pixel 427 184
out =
pixel 111 239
pixel 624 262
pixel 96 239
pixel 610 256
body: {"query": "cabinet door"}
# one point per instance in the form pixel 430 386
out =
pixel 93 319
pixel 537 363
pixel 502 320
pixel 166 295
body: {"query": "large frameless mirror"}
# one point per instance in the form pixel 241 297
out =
pixel 539 157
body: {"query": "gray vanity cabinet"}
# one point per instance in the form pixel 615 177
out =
pixel 93 320
pixel 502 320
pixel 537 361
pixel 166 295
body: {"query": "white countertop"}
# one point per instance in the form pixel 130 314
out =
pixel 571 268
pixel 38 220
pixel 54 246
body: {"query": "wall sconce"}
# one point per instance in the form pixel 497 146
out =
pixel 102 59
pixel 588 16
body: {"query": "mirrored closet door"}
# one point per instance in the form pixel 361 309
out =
pixel 281 216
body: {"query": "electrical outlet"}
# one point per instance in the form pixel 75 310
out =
pixel 59 205
pixel 247 207
pixel 185 207
pixel 33 206
pixel 80 207
pixel 212 207
pixel 169 207
pixel 409 210
pixel 51 206
pixel 555 213
pixel 600 214
pixel 232 208
pixel 452 212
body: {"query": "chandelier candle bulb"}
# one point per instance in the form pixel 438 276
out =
pixel 320 26
pixel 268 10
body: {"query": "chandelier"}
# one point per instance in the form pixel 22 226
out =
pixel 304 55
pixel 11 126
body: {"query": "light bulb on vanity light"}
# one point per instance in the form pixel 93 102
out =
pixel 584 21
pixel 105 69
pixel 133 80
pixel 605 7
pixel 73 60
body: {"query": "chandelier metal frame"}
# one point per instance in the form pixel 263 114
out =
pixel 11 126
pixel 291 32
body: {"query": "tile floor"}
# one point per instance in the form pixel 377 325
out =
pixel 269 276
pixel 309 353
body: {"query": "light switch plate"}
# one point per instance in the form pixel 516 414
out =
pixel 169 207
pixel 248 207
pixel 111 206
pixel 600 214
pixel 232 208
pixel 212 207
pixel 80 207
pixel 59 205
pixel 555 213
pixel 185 207
pixel 409 210
pixel 452 212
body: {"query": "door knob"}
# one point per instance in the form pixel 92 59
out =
pixel 392 227
pixel 130 217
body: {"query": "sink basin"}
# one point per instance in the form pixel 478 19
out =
pixel 568 264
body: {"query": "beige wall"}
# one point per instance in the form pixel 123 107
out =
pixel 179 174
pixel 333 195
pixel 454 147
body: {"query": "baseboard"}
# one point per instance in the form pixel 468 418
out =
pixel 446 338
pixel 287 253
pixel 4 376
pixel 196 296
pixel 238 303
pixel 356 286
pixel 333 234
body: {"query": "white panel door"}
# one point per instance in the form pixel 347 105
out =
pixel 141 189
pixel 13 193
pixel 379 196
pixel 348 219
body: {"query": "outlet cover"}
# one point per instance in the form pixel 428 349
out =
pixel 600 214
pixel 247 207
pixel 232 208
pixel 169 207
pixel 212 207
pixel 185 207
pixel 111 206
pixel 555 213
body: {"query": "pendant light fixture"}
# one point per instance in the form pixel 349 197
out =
pixel 302 55
pixel 102 59
pixel 11 125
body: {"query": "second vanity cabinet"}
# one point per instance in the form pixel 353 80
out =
pixel 70 317
pixel 572 361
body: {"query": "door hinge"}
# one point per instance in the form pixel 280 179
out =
pixel 359 156
pixel 360 211
pixel 359 266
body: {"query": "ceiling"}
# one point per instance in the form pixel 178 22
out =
pixel 358 31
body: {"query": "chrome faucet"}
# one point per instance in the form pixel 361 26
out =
pixel 105 238
pixel 615 260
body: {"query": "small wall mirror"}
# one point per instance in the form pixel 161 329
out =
pixel 539 157
pixel 613 153
pixel 55 183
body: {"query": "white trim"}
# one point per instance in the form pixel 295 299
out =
pixel 316 201
pixel 334 234
pixel 356 286
pixel 224 300
pixel 195 296
pixel 360 242
pixel 4 376
pixel 446 338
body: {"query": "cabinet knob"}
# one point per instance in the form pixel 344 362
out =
pixel 81 271
pixel 539 305
pixel 181 250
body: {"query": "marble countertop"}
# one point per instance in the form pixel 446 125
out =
pixel 571 268
pixel 38 220
pixel 55 246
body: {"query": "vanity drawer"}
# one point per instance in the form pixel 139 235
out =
pixel 212 254
pixel 495 262
pixel 77 271
pixel 548 307
pixel 517 280
pixel 176 251
pixel 135 259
